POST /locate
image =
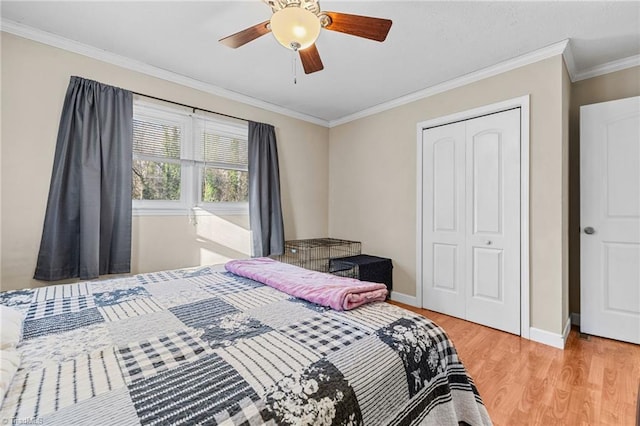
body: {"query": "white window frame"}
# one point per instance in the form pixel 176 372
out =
pixel 191 126
pixel 201 124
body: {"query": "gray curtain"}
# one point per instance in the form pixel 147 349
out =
pixel 87 226
pixel 265 210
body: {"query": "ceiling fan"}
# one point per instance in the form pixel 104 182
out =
pixel 296 24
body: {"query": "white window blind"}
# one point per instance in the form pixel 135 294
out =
pixel 224 150
pixel 221 143
pixel 156 139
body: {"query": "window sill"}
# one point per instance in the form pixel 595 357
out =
pixel 222 209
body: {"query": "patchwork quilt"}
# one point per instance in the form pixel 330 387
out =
pixel 209 347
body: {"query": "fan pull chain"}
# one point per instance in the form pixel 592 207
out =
pixel 294 67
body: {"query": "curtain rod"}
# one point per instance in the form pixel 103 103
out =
pixel 188 106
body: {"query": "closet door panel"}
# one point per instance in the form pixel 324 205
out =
pixel 493 217
pixel 445 215
pixel 487 182
pixel 488 274
pixel 443 219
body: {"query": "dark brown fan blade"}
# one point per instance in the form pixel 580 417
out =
pixel 310 58
pixel 245 36
pixel 360 26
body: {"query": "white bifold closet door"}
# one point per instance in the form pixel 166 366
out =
pixel 471 220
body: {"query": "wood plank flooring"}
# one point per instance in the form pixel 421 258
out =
pixel 591 382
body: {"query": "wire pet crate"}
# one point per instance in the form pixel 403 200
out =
pixel 315 253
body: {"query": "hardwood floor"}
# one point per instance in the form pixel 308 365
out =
pixel 591 382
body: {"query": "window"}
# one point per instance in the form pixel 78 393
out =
pixel 157 147
pixel 223 155
pixel 184 161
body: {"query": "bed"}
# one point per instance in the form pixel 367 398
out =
pixel 206 346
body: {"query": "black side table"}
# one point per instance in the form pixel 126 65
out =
pixel 365 268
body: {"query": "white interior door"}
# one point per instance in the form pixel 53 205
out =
pixel 610 219
pixel 444 233
pixel 493 220
pixel 471 220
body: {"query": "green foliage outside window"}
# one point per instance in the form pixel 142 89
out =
pixel 155 181
pixel 223 185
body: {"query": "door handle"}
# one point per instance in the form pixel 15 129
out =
pixel 589 230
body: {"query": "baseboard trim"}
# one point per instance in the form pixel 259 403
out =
pixel 546 338
pixel 566 331
pixel 404 298
pixel 551 339
pixel 537 335
pixel 575 319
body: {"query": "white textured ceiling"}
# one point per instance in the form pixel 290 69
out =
pixel 429 43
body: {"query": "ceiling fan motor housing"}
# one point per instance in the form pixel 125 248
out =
pixel 312 6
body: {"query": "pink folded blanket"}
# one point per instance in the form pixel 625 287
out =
pixel 336 292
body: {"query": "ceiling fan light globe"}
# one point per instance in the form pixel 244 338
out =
pixel 294 26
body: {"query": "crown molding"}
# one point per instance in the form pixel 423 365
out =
pixel 609 67
pixel 561 48
pixel 569 60
pixel 508 65
pixel 50 39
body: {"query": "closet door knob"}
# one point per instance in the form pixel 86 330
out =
pixel 589 230
pixel 489 242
